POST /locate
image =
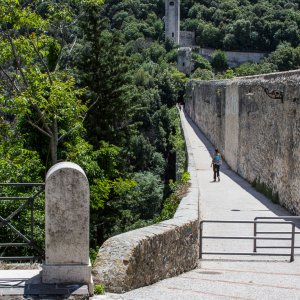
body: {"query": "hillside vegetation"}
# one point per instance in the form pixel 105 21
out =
pixel 240 25
pixel 90 83
pixel 243 25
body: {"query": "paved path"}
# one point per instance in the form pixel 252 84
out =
pixel 18 284
pixel 229 277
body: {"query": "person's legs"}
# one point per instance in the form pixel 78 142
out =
pixel 218 172
pixel 215 172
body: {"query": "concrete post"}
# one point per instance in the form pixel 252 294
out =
pixel 67 226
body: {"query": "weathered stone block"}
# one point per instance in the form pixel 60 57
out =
pixel 67 225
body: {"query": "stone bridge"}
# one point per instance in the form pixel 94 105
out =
pixel 255 122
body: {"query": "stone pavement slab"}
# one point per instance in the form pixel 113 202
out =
pixel 20 284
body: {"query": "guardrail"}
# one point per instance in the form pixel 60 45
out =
pixel 27 201
pixel 255 247
pixel 254 238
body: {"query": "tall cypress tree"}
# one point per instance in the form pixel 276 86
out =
pixel 103 68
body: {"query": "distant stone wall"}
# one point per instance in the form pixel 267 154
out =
pixel 144 256
pixel 255 121
pixel 185 63
pixel 187 38
pixel 234 58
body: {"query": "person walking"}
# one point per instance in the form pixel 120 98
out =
pixel 216 163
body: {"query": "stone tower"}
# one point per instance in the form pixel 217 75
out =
pixel 172 20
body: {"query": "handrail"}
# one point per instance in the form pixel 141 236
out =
pixel 27 201
pixel 266 232
pixel 255 238
pixel 22 184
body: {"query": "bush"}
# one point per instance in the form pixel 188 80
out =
pixel 249 68
pixel 200 62
pixel 93 254
pixel 219 60
pixel 229 74
pixel 171 56
pixel 285 57
pixel 203 74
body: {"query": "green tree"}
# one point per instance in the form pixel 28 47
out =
pixel 211 36
pixel 285 57
pixel 103 66
pixel 219 61
pixel 200 62
pixel 32 87
pixel 202 74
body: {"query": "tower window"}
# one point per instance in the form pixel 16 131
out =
pixel 172 3
pixel 172 34
pixel 183 64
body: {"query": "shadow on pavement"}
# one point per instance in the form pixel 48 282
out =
pixel 225 169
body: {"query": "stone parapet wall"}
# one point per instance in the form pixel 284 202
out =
pixel 255 121
pixel 234 58
pixel 187 38
pixel 144 256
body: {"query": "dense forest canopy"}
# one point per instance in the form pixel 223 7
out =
pixel 242 24
pixel 271 26
pixel 91 83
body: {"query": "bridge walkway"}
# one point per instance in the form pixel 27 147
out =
pixel 228 277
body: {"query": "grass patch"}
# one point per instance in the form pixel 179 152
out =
pixel 99 289
pixel 93 254
pixel 265 190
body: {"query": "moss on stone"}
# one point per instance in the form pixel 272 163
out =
pixel 99 289
pixel 265 190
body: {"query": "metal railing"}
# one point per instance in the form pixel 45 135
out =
pixel 26 202
pixel 254 238
pixel 255 247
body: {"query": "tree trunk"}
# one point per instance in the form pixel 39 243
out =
pixel 54 143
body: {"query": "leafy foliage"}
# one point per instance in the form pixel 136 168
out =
pixel 93 84
pixel 219 60
pixel 242 25
pixel 200 62
pixel 284 58
pixel 202 74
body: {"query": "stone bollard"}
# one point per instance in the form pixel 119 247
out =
pixel 67 226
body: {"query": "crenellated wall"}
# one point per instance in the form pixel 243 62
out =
pixel 255 121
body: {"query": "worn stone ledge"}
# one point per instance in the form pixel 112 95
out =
pixel 144 256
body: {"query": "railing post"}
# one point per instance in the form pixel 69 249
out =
pixel 31 220
pixel 200 239
pixel 293 243
pixel 255 232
